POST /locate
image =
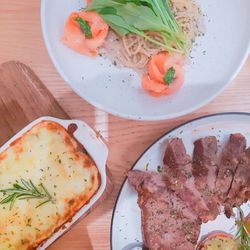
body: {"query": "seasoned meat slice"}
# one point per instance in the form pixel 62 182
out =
pixel 239 192
pixel 205 172
pixel 230 158
pixel 205 162
pixel 179 177
pixel 167 222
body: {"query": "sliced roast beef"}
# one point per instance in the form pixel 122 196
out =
pixel 179 178
pixel 230 158
pixel 167 222
pixel 205 171
pixel 240 187
pixel 188 192
pixel 205 162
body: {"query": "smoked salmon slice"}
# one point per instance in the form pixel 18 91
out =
pixel 154 82
pixel 76 39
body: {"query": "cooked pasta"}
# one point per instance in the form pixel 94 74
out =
pixel 188 16
pixel 134 51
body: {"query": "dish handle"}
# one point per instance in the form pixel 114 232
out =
pixel 91 141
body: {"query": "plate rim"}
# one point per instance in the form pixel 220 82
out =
pixel 152 144
pixel 152 117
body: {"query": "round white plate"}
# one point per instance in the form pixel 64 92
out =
pixel 216 59
pixel 126 220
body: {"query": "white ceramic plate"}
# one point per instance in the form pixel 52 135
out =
pixel 126 220
pixel 217 58
pixel 96 149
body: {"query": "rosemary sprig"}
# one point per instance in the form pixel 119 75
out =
pixel 26 190
pixel 242 234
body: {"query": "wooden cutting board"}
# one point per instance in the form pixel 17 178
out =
pixel 24 98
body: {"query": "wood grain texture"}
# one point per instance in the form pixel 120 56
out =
pixel 23 99
pixel 21 39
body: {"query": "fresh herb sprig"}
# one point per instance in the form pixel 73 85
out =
pixel 26 190
pixel 139 16
pixel 242 235
pixel 169 76
pixel 85 27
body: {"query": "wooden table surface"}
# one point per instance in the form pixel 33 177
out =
pixel 21 39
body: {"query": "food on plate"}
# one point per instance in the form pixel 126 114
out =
pixel 85 32
pixel 183 177
pixel 165 74
pixel 247 223
pixel 140 33
pixel 243 234
pixel 45 179
pixel 167 221
pixel 204 170
pixel 219 241
pixel 190 191
pixel 239 191
pixel 231 157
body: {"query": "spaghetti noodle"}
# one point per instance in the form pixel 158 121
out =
pixel 134 51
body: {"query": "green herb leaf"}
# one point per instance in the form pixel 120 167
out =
pixel 85 27
pixel 242 235
pixel 169 76
pixel 138 16
pixel 108 11
pixel 25 191
pixel 159 169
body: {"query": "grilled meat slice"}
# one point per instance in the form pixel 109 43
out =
pixel 240 187
pixel 230 158
pixel 180 179
pixel 205 161
pixel 205 171
pixel 167 222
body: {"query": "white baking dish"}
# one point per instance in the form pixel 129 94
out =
pixel 96 149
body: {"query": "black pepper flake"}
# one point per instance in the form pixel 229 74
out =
pixel 28 223
pixel 159 169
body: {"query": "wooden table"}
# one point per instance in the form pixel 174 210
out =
pixel 21 39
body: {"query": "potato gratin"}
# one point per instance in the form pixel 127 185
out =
pixel 48 159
